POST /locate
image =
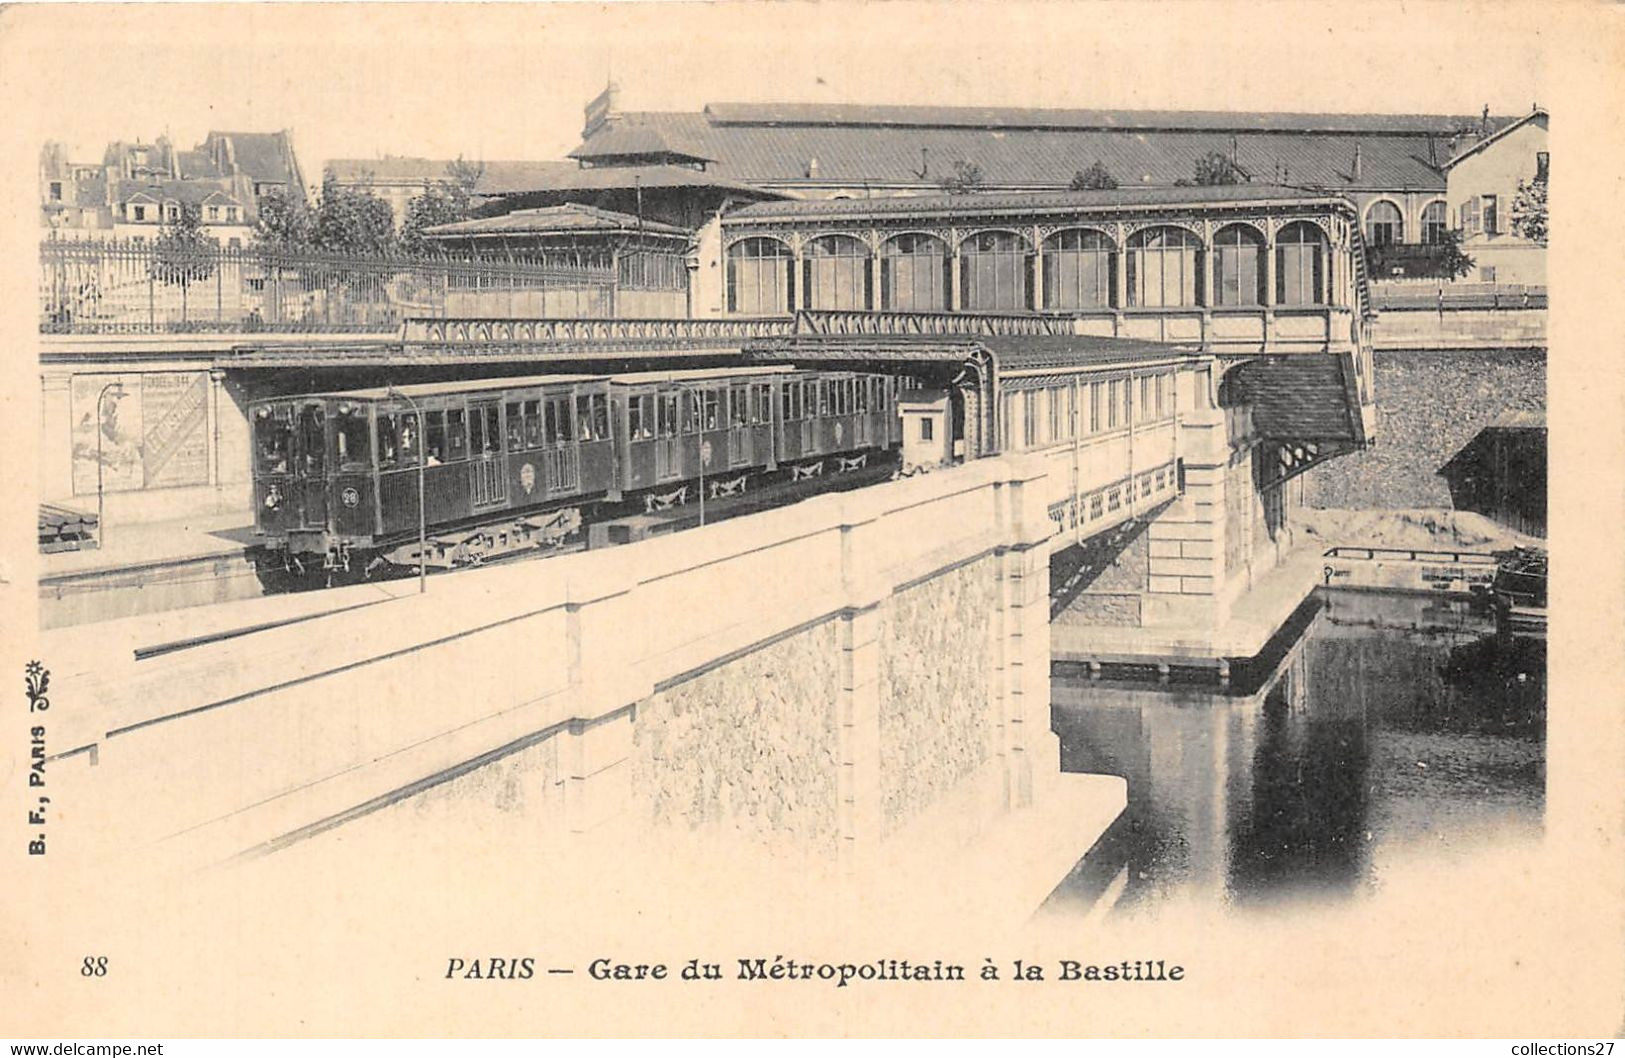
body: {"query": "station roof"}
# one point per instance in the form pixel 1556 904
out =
pixel 1116 200
pixel 571 218
pixel 791 144
pixel 1011 354
pixel 1301 397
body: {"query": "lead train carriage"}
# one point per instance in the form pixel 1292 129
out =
pixel 510 464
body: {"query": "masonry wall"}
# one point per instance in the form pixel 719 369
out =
pixel 938 643
pixel 751 746
pixel 1431 403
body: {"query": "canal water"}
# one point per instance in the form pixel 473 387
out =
pixel 1375 732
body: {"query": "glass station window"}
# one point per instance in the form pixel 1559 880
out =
pixel 914 274
pixel 350 438
pixel 759 277
pixel 1078 270
pixel 1096 391
pixel 1114 402
pixel 1384 224
pixel 993 272
pixel 1300 265
pixel 1164 268
pixel 1435 222
pixel 273 435
pixel 1240 252
pixel 835 273
pixel 456 434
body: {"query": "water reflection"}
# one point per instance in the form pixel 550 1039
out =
pixel 1375 728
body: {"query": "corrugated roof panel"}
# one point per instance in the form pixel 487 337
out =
pixel 924 155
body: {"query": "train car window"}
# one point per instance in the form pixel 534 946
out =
pixel 531 411
pixel 388 442
pixel 559 426
pixel 710 404
pixel 410 440
pixel 691 412
pixel 764 400
pixel 456 434
pixel 667 426
pixel 434 435
pixel 272 435
pixel 583 418
pixel 312 439
pixel 493 428
pixel 476 433
pixel 864 386
pixel 600 416
pixel 739 409
pixel 787 409
pixel 516 426
pixel 350 438
pixel 634 417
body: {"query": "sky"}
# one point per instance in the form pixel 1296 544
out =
pixel 509 82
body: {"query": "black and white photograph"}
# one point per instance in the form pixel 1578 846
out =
pixel 930 519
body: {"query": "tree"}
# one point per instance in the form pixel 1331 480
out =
pixel 353 220
pixel 966 179
pixel 1441 259
pixel 1529 210
pixel 283 222
pixel 1215 168
pixel 444 201
pixel 184 253
pixel 1095 178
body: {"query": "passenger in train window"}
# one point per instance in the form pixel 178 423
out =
pixel 408 451
pixel 516 427
pixel 434 423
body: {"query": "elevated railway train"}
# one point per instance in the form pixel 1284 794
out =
pixel 512 464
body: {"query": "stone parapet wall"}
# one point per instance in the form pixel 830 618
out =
pixel 1452 328
pixel 760 652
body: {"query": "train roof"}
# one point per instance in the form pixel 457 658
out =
pixel 417 390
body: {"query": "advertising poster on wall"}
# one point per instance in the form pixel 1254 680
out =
pixel 153 429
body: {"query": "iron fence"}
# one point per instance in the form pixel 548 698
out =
pixel 94 287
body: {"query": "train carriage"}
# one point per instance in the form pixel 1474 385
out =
pixel 510 464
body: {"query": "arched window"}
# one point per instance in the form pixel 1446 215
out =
pixel 993 267
pixel 1383 224
pixel 1300 265
pixel 1240 252
pixel 914 274
pixel 1435 222
pixel 759 276
pixel 1164 268
pixel 835 273
pixel 1078 270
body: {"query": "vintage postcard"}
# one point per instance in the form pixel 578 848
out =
pixel 812 519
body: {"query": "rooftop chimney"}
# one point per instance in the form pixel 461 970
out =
pixel 1358 169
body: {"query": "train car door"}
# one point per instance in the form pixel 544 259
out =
pixel 739 446
pixel 488 481
pixel 310 466
pixel 668 461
